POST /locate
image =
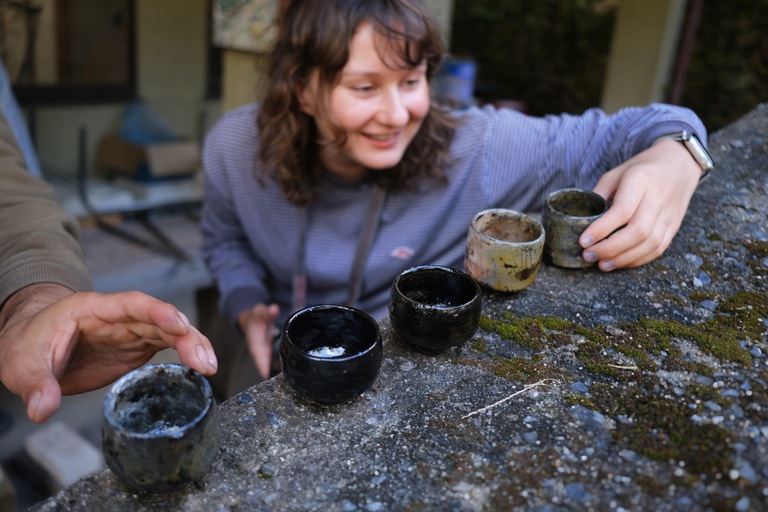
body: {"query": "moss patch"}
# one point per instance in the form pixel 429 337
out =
pixel 625 360
pixel 662 429
pixel 757 249
pixel 519 369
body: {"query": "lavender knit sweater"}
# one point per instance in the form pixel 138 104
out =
pixel 501 158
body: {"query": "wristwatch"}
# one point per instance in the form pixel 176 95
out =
pixel 696 149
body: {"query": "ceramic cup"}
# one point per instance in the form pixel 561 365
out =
pixel 434 308
pixel 329 353
pixel 566 215
pixel 161 428
pixel 504 249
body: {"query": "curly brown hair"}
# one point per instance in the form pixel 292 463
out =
pixel 315 35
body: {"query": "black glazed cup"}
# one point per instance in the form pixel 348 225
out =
pixel 434 308
pixel 160 428
pixel 330 353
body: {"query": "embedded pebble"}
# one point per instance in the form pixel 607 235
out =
pixel 694 259
pixel 628 455
pixel 577 492
pixel 530 437
pixel 712 406
pixel 588 416
pixel 579 387
pixel 743 504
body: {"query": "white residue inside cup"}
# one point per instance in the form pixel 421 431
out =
pixel 327 352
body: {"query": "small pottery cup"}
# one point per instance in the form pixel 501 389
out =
pixel 434 308
pixel 504 249
pixel 566 215
pixel 161 428
pixel 330 353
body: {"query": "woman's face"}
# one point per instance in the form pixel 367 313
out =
pixel 380 109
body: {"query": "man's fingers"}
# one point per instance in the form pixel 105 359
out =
pixel 195 351
pixel 128 307
pixel 43 399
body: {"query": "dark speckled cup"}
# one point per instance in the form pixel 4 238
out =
pixel 434 308
pixel 161 428
pixel 565 216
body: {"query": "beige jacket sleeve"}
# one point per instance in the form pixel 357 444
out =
pixel 39 240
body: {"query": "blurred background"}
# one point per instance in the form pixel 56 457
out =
pixel 117 96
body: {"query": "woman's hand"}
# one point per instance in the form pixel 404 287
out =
pixel 650 194
pixel 258 325
pixel 54 341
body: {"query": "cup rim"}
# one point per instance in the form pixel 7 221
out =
pixel 505 211
pixel 331 360
pixel 121 384
pixel 589 193
pixel 441 268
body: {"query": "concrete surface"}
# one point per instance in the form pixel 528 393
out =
pixel 643 389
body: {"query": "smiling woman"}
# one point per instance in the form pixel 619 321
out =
pixel 68 50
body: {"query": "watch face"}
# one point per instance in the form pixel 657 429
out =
pixel 698 151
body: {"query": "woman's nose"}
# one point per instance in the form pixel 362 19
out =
pixel 393 110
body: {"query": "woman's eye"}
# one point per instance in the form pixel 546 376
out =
pixel 363 88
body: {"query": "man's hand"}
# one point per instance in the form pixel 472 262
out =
pixel 54 342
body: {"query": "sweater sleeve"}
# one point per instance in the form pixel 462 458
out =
pixel 542 154
pixel 39 240
pixel 239 274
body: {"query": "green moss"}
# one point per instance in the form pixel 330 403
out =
pixel 536 333
pixel 743 313
pixel 478 344
pixel 702 393
pixel 597 360
pixel 662 429
pixel 714 237
pixel 659 427
pixel 757 249
pixel 651 486
pixel 526 332
pixel 673 298
pixel 700 296
pixel 264 473
pixel 737 317
pixel 578 399
pixel 518 369
pixel 711 336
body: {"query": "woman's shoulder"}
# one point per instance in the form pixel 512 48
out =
pixel 240 118
pixel 235 128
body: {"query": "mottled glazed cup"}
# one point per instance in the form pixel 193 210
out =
pixel 434 308
pixel 160 428
pixel 504 249
pixel 329 353
pixel 565 216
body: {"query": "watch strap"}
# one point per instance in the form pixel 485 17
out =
pixel 697 150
